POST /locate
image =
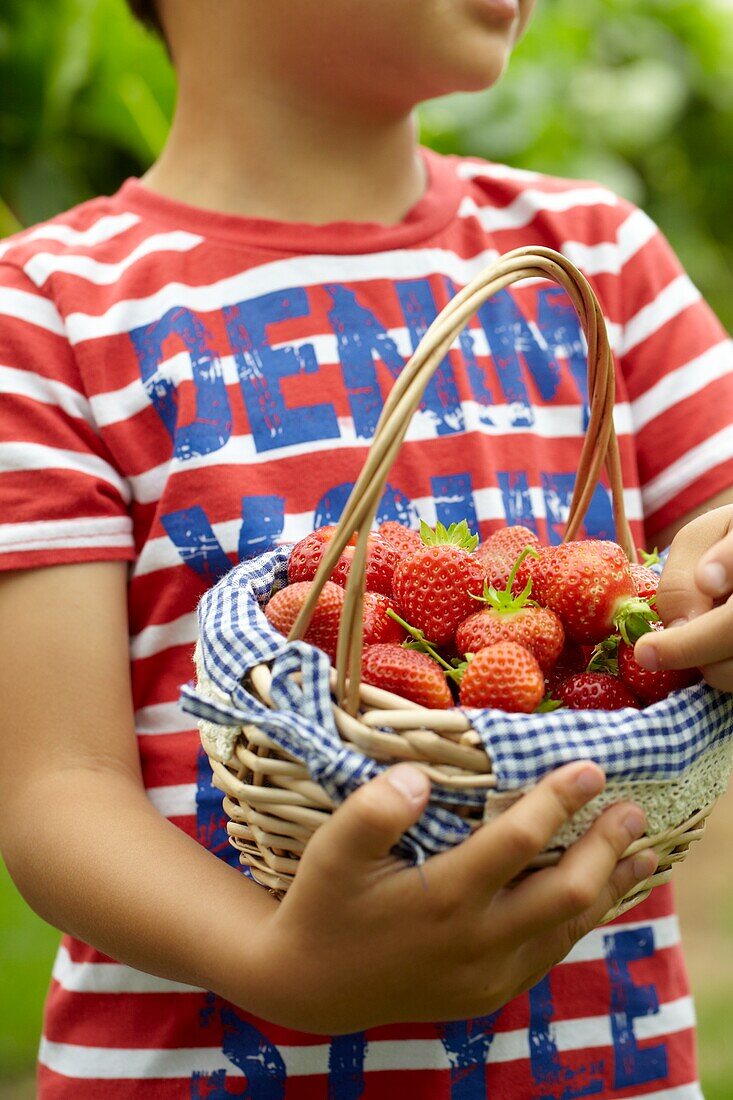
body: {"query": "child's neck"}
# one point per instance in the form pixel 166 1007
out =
pixel 257 152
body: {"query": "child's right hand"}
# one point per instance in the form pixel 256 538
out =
pixel 361 939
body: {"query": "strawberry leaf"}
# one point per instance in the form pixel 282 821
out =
pixel 458 534
pixel 604 657
pixel 547 705
pixel 634 618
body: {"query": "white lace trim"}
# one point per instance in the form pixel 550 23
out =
pixel 218 741
pixel 667 803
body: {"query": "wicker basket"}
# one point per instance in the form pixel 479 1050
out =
pixel 272 803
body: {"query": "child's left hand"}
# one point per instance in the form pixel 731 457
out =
pixel 696 598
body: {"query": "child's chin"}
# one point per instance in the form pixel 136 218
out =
pixel 475 70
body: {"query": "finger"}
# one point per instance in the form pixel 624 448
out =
pixel 371 821
pixel 496 853
pixel 678 595
pixel 629 873
pixel 555 895
pixel 702 641
pixel 714 571
pixel 719 675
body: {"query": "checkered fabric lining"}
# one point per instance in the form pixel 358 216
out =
pixel 657 743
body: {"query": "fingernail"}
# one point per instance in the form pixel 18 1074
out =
pixel 635 824
pixel 409 781
pixel 645 864
pixel 590 782
pixel 714 578
pixel 647 657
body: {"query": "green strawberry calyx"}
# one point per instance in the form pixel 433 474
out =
pixel 633 618
pixel 504 600
pixel 547 705
pixel 604 657
pixel 455 669
pixel 458 534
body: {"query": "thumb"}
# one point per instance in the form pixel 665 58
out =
pixel 373 819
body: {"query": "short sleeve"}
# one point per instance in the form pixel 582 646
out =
pixel 61 498
pixel 677 364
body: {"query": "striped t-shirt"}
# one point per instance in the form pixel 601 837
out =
pixel 182 389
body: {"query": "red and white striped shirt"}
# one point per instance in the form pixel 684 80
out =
pixel 181 389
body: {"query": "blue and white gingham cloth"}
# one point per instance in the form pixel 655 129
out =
pixel 234 635
pixel 658 742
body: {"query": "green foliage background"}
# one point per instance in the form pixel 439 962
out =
pixel 638 96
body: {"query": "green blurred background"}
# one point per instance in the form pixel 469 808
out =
pixel 638 96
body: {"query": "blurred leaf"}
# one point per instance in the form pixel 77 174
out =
pixel 8 221
pixel 145 111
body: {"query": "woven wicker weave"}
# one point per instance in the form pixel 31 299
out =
pixel 272 803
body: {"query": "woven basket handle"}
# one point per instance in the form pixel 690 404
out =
pixel 599 448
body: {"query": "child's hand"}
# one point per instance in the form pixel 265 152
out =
pixel 361 939
pixel 694 597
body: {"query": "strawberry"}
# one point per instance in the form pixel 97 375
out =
pixel 510 618
pixel 410 674
pixel 435 585
pixel 652 686
pixel 379 626
pixel 405 540
pixel 284 607
pixel 510 541
pixel 645 580
pixel 536 628
pixel 589 585
pixel 381 559
pixel 594 691
pixel 501 549
pixel 506 676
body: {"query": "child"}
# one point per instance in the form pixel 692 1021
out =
pixel 192 370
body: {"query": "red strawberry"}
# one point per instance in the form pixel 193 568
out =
pixel 536 628
pixel 283 608
pixel 506 676
pixel 435 585
pixel 501 549
pixel 405 540
pixel 410 674
pixel 652 686
pixel 381 559
pixel 645 580
pixel 589 585
pixel 378 625
pixel 511 540
pixel 594 691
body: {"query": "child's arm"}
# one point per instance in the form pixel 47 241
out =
pixel 360 939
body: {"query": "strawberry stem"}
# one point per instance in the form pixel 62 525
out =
pixel 422 645
pixel 647 558
pixel 504 600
